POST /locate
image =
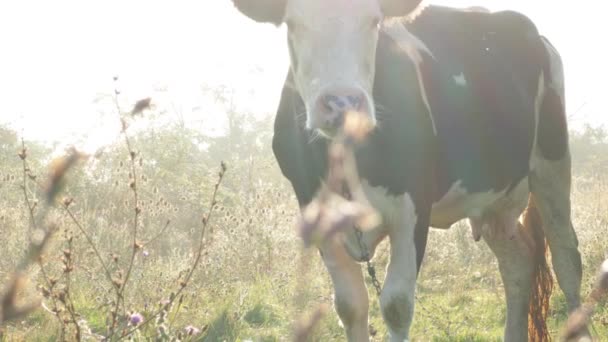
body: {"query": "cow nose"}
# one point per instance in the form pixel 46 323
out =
pixel 333 106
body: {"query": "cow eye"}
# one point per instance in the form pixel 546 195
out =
pixel 375 22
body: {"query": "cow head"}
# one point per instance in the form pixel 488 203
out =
pixel 332 46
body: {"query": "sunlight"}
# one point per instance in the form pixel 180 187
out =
pixel 61 62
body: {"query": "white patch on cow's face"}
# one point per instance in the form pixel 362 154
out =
pixel 332 48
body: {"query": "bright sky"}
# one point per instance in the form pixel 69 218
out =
pixel 57 57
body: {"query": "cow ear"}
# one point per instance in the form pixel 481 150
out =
pixel 399 8
pixel 263 11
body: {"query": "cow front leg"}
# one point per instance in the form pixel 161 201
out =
pixel 398 294
pixel 350 298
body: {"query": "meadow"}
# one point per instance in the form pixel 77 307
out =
pixel 170 234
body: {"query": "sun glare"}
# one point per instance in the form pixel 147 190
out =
pixel 63 56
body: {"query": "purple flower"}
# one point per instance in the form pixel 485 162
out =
pixel 145 253
pixel 135 318
pixel 191 331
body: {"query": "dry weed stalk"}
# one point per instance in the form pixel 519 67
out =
pixel 577 323
pixel 41 232
pixel 120 281
pixel 59 296
pixel 340 205
pixel 305 326
pixel 166 306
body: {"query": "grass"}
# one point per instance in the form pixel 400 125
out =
pixel 459 296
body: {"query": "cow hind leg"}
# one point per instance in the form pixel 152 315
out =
pixel 550 180
pixel 550 185
pixel 516 269
pixel 350 298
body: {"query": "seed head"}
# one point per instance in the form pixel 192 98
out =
pixel 67 201
pixel 192 331
pixel 141 105
pixel 23 154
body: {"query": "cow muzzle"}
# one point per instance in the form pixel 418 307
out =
pixel 332 107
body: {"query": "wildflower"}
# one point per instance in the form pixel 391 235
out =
pixel 145 253
pixel 192 331
pixel 135 318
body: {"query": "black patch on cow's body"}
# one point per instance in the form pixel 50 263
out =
pixel 303 162
pixel 486 128
pixel 398 155
pixel 552 127
pixel 421 231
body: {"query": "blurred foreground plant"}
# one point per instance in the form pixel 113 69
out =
pixel 61 287
pixel 579 319
pixel 339 206
pixel 41 230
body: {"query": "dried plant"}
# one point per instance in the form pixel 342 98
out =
pixel 340 205
pixel 41 230
pixel 577 323
pixel 57 286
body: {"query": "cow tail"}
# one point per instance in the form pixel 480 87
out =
pixel 542 281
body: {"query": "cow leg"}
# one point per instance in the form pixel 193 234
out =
pixel 516 269
pixel 397 298
pixel 550 184
pixel 350 299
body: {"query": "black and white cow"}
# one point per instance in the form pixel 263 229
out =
pixel 469 122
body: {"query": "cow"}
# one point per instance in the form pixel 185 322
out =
pixel 468 121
